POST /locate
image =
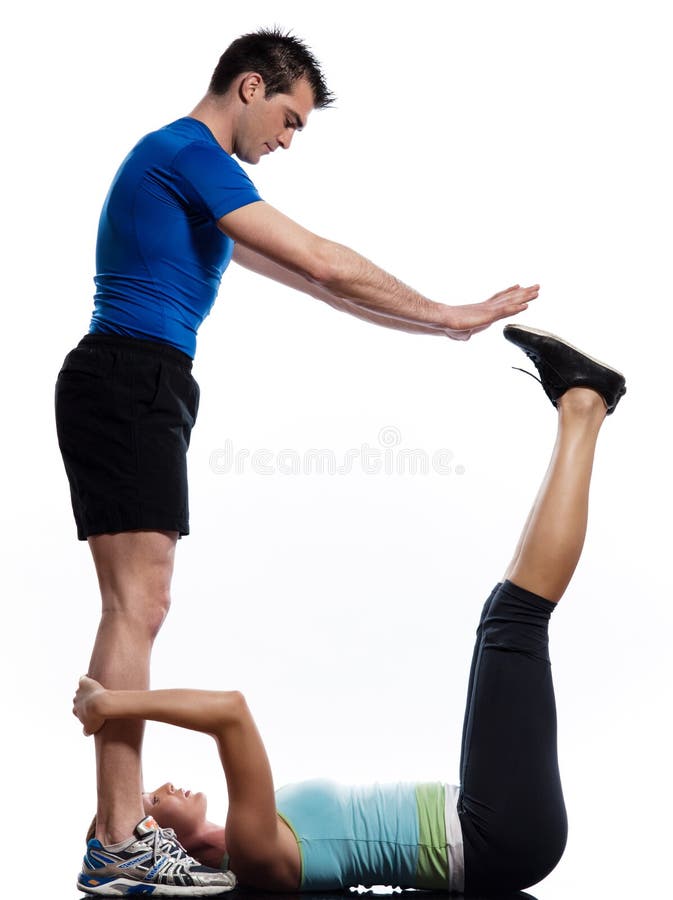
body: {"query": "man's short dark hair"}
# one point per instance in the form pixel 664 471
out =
pixel 279 57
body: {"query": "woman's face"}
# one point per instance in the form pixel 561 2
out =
pixel 181 810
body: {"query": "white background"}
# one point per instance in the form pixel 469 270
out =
pixel 473 145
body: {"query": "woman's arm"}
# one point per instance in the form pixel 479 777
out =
pixel 252 832
pixel 206 711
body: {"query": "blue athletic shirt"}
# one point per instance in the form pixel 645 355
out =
pixel 160 255
pixel 405 835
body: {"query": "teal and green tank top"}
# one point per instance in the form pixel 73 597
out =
pixel 405 835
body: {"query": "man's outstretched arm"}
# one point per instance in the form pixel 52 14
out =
pixel 350 279
pixel 261 265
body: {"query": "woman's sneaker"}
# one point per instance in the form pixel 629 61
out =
pixel 562 366
pixel 153 862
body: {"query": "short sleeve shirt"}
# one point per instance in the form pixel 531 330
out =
pixel 160 256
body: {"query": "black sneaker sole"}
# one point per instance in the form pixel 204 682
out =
pixel 548 334
pixel 543 346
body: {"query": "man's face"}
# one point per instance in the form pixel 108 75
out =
pixel 265 125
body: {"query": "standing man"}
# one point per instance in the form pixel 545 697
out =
pixel 178 209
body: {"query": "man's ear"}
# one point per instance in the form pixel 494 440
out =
pixel 250 86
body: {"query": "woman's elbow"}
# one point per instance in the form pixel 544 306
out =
pixel 230 708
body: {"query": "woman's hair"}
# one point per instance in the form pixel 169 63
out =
pixel 280 58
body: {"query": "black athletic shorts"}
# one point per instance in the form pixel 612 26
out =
pixel 125 409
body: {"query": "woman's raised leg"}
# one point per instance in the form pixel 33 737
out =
pixel 552 540
pixel 511 805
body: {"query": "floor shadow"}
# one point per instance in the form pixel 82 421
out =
pixel 251 894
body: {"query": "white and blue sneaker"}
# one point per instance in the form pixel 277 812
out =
pixel 151 863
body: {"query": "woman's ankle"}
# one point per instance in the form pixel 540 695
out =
pixel 582 401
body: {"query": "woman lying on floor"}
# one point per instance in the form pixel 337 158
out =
pixel 503 829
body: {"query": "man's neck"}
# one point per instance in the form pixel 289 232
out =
pixel 218 114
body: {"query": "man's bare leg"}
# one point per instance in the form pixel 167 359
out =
pixel 134 573
pixel 553 537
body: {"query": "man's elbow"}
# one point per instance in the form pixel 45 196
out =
pixel 325 264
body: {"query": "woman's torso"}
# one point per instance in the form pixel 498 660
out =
pixel 376 834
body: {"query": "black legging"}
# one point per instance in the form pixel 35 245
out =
pixel 511 805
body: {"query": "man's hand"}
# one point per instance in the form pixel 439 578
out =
pixel 473 317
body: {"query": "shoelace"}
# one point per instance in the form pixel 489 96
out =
pixel 165 843
pixel 526 372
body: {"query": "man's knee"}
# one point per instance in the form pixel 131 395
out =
pixel 143 612
pixel 157 612
pixel 134 573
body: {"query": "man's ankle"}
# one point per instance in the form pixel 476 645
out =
pixel 112 833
